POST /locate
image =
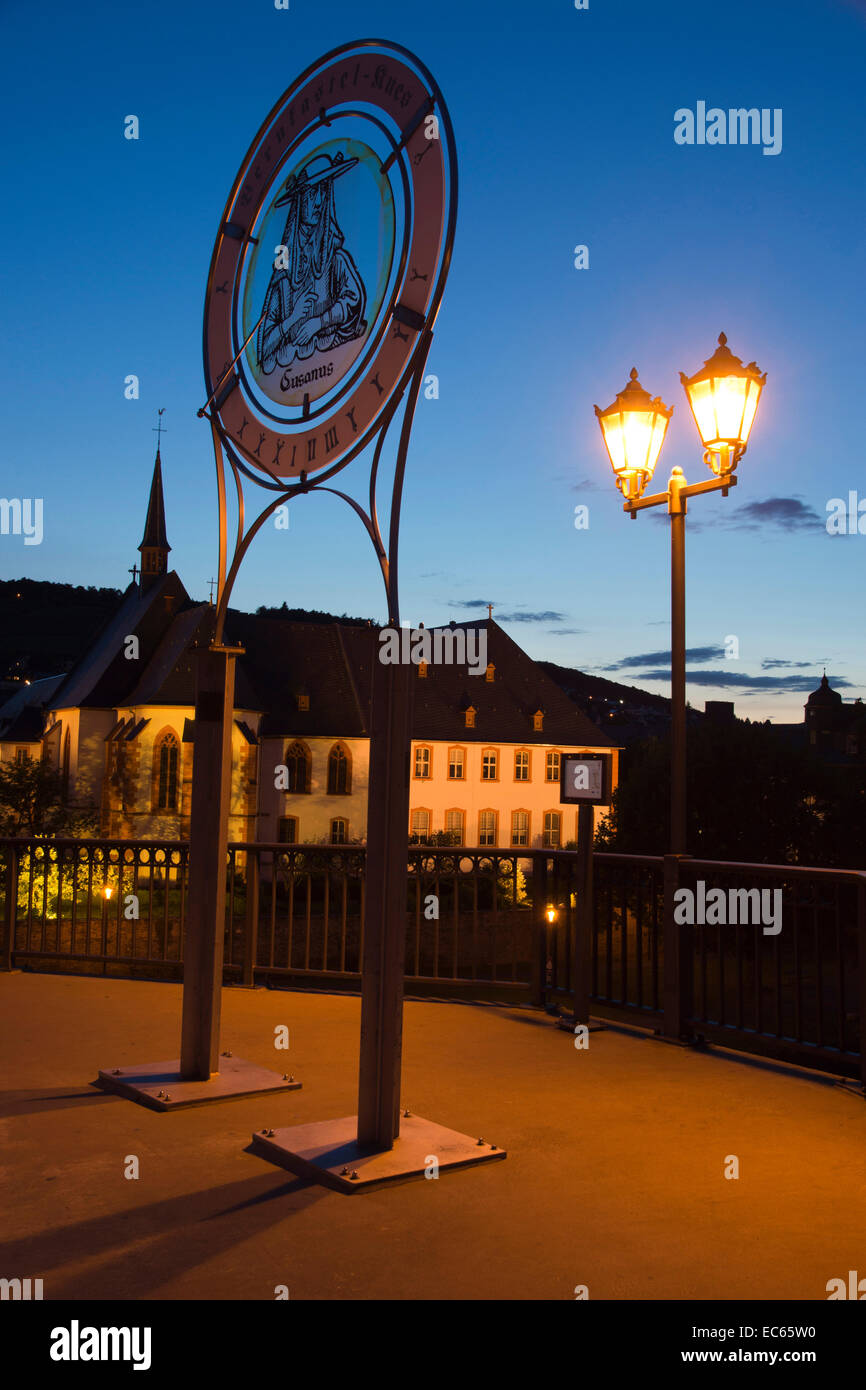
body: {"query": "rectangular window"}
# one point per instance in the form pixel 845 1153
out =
pixel 422 762
pixel 552 829
pixel 339 832
pixel 551 767
pixel 487 828
pixel 287 830
pixel 488 765
pixel 520 827
pixel 455 764
pixel 454 825
pixel 521 766
pixel 420 824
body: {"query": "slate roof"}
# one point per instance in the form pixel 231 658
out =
pixel 169 676
pixel 103 678
pixel 329 663
pixel 504 706
pixel 332 664
pixel 284 660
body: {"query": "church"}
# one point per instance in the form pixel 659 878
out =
pixel 119 727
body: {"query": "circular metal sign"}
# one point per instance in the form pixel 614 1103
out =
pixel 330 260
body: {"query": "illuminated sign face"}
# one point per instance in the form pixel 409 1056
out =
pixel 316 283
pixel 330 261
pixel 585 777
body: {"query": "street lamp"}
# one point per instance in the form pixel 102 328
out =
pixel 723 397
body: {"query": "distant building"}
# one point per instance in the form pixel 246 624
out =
pixel 833 728
pixel 485 754
pixel 22 719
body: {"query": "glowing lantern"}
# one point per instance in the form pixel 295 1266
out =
pixel 724 396
pixel 633 429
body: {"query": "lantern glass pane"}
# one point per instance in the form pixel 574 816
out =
pixel 658 434
pixel 611 426
pixel 700 395
pixel 638 433
pixel 751 407
pixel 730 400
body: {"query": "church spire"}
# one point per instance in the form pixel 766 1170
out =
pixel 154 543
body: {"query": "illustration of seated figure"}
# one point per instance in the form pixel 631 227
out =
pixel 317 301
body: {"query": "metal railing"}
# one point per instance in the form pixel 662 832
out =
pixel 477 928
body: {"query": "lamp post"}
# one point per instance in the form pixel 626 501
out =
pixel 723 397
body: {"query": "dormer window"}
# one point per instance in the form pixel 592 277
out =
pixel 470 717
pixel 490 673
pixel 538 721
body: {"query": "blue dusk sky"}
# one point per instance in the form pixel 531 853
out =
pixel 564 121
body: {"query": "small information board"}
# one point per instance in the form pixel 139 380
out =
pixel 585 779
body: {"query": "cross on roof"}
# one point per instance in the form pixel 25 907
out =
pixel 160 428
pixel 490 610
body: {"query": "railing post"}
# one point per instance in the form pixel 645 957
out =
pixel 539 929
pixel 251 919
pixel 10 907
pixel 677 962
pixel 861 947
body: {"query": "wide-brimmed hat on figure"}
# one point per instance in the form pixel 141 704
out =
pixel 316 170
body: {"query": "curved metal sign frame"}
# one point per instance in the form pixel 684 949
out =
pixel 324 284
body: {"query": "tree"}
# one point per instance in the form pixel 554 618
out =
pixel 33 802
pixel 752 796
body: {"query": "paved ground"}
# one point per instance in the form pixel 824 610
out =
pixel 614 1176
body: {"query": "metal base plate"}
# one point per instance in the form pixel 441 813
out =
pixel 328 1152
pixel 159 1085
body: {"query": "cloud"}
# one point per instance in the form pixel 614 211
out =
pixel 734 680
pixel 785 513
pixel 588 485
pixel 772 664
pixel 566 631
pixel 548 615
pixel 628 663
